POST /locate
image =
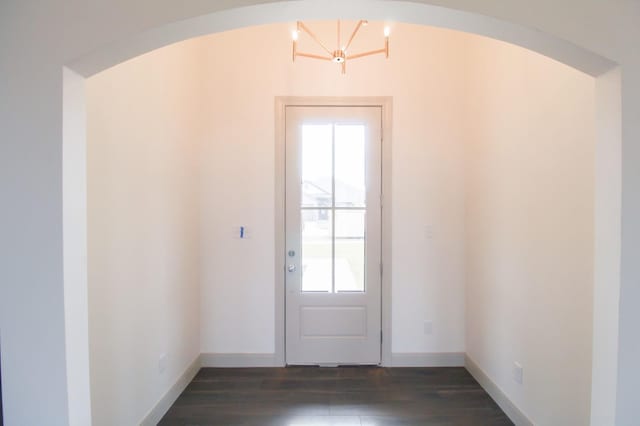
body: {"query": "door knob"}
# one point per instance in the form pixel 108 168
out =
pixel 291 268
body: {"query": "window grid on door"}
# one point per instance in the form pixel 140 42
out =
pixel 345 218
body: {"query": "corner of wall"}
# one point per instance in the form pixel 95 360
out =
pixel 499 396
pixel 155 414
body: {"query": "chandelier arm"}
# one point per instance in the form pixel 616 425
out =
pixel 372 52
pixel 312 56
pixel 303 27
pixel 353 35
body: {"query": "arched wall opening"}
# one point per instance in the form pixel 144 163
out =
pixel 607 158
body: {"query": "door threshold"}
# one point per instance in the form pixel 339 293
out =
pixel 333 365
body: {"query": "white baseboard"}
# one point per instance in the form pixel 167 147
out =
pixel 428 359
pixel 503 401
pixel 160 409
pixel 238 360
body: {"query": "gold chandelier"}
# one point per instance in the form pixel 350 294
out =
pixel 340 55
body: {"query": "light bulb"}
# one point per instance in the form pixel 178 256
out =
pixel 294 35
pixel 387 31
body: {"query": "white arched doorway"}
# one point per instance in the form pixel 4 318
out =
pixel 129 47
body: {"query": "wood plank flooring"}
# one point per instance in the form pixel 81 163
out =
pixel 343 396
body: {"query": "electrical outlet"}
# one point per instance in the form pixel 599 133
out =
pixel 162 363
pixel 428 327
pixel 517 372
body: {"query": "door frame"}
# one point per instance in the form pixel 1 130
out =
pixel 281 103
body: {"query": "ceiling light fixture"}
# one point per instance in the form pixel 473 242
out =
pixel 340 55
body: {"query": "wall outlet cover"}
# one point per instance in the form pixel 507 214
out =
pixel 162 363
pixel 518 373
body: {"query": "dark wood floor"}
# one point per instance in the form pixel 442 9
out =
pixel 344 396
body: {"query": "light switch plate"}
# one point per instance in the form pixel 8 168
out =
pixel 429 232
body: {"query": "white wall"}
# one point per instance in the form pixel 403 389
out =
pixel 143 129
pixel 505 131
pixel 32 313
pixel 606 294
pixel 427 174
pixel 37 40
pixel 74 159
pixel 530 229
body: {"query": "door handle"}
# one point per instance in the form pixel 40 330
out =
pixel 291 268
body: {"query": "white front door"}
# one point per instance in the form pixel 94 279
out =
pixel 333 235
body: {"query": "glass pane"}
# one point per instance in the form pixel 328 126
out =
pixel 317 165
pixel 351 189
pixel 350 252
pixel 316 250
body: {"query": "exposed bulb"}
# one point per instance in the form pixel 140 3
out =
pixel 387 31
pixel 294 35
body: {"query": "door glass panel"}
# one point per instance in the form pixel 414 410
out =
pixel 350 165
pixel 349 250
pixel 317 256
pixel 317 165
